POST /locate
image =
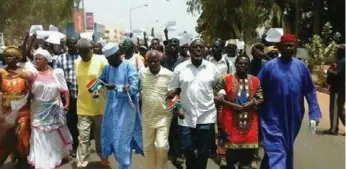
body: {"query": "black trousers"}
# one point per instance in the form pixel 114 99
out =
pixel 198 139
pixel 173 138
pixel 72 120
pixel 242 156
pixel 213 146
pixel 336 110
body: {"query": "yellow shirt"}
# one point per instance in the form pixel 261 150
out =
pixel 86 71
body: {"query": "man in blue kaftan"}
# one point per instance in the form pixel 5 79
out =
pixel 121 130
pixel 286 81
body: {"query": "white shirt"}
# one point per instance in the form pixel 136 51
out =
pixel 222 65
pixel 231 62
pixel 196 92
pixel 154 93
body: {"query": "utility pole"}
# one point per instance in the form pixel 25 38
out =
pixel 84 23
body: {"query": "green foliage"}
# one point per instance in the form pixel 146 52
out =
pixel 321 49
pixel 18 15
pixel 229 19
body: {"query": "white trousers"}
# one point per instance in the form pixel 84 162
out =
pixel 155 142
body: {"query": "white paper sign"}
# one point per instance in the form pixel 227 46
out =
pixel 53 28
pixel 35 28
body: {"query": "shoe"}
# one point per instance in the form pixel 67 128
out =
pixel 223 163
pixel 73 153
pixel 179 160
pixel 105 163
pixel 329 132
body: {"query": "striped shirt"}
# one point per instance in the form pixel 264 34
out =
pixel 153 91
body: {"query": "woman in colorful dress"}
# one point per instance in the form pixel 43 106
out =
pixel 50 139
pixel 239 95
pixel 14 83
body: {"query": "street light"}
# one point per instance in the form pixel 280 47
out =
pixel 136 7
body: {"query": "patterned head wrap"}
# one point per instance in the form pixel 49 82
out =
pixel 13 51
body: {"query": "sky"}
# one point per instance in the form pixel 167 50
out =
pixel 116 14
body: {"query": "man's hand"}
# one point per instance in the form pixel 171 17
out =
pixel 165 31
pixel 144 34
pixel 249 106
pixel 171 94
pixel 110 86
pixel 220 97
pixel 237 107
pixel 127 88
pixel 96 94
pixel 66 108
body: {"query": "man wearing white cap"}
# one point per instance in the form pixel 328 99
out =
pixel 231 50
pixel 121 127
pixel 89 110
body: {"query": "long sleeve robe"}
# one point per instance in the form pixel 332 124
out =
pixel 121 129
pixel 285 84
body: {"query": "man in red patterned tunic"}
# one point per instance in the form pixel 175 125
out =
pixel 238 95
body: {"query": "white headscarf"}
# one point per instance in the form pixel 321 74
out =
pixel 43 53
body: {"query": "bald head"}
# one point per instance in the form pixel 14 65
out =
pixel 84 43
pixel 153 58
pixel 153 54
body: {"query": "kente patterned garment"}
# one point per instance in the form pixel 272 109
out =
pixel 238 130
pixel 15 88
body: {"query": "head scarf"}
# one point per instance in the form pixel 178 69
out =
pixel 288 38
pixel 13 51
pixel 44 53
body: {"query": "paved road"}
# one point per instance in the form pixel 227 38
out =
pixel 311 151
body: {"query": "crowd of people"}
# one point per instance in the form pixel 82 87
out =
pixel 180 102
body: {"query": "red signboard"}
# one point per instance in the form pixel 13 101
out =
pixel 89 20
pixel 78 21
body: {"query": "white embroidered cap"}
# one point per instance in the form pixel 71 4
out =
pixel 110 48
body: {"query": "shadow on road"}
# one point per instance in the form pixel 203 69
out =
pixel 321 132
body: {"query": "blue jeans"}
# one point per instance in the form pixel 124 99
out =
pixel 199 139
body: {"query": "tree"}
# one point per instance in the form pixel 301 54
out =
pixel 239 19
pixel 229 19
pixel 18 15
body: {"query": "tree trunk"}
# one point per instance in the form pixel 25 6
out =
pixel 2 22
pixel 297 17
pixel 317 17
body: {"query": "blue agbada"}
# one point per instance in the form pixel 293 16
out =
pixel 121 130
pixel 285 83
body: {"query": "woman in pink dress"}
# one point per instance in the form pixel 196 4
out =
pixel 50 140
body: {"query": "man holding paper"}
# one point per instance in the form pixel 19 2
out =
pixel 90 107
pixel 121 130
